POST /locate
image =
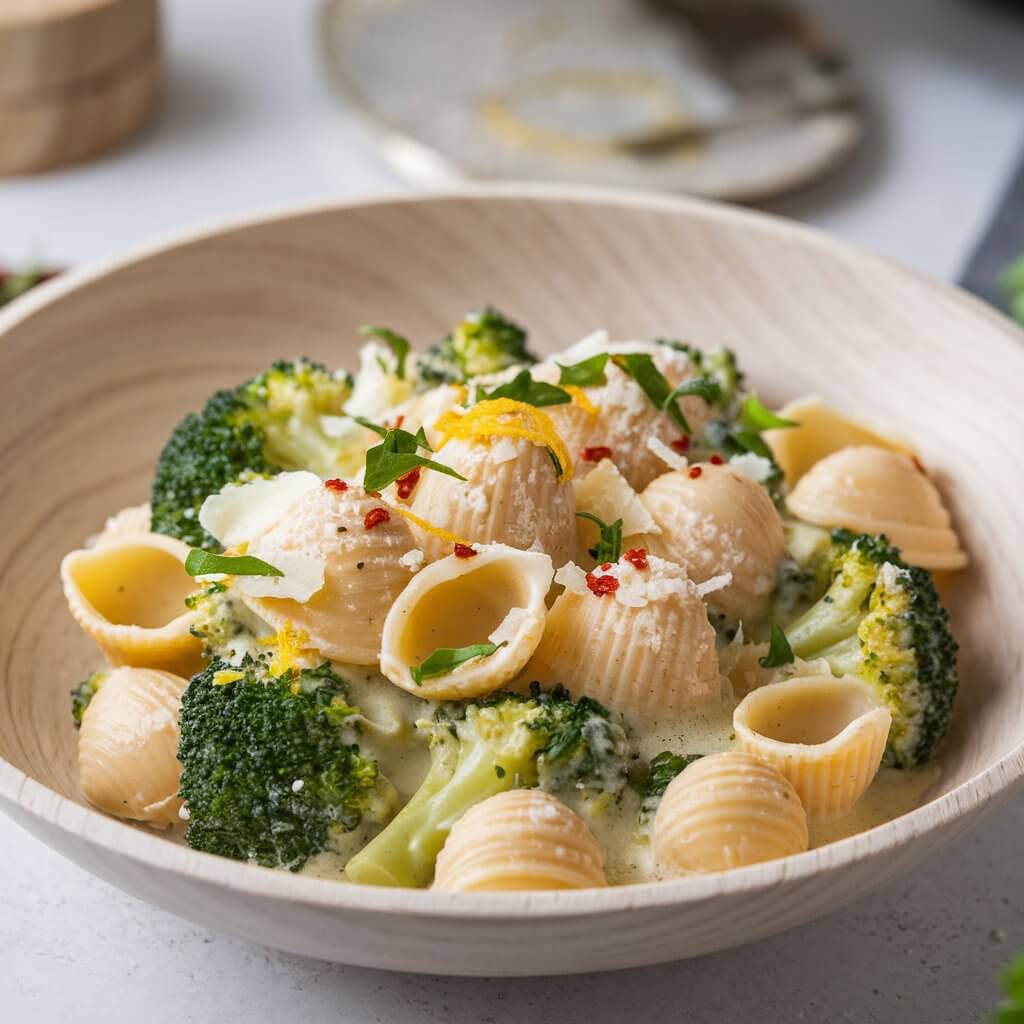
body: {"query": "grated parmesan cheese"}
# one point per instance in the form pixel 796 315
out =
pixel 243 512
pixel 413 560
pixel 671 459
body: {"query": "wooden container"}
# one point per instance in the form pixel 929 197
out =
pixel 97 367
pixel 76 78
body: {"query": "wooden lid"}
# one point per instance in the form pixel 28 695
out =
pixel 51 49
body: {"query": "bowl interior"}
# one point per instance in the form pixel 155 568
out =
pixel 95 372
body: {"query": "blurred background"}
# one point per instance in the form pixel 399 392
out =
pixel 898 126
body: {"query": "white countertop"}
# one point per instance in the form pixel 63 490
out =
pixel 246 125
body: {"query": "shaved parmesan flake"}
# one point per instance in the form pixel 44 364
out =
pixel 671 459
pixel 714 584
pixel 244 512
pixel 303 575
pixel 413 560
pixel 757 467
pixel 604 492
pixel 504 450
pixel 592 345
pixel 573 578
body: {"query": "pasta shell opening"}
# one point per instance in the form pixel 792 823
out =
pixel 128 746
pixel 871 490
pixel 128 595
pixel 496 597
pixel 727 811
pixel 826 735
pixel 524 839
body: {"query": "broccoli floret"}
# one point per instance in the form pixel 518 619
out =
pixel 719 364
pixel 664 767
pixel 270 764
pixel 269 424
pixel 882 620
pixel 485 342
pixel 83 693
pixel 506 741
pixel 227 627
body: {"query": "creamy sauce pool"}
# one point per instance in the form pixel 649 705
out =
pixel 404 759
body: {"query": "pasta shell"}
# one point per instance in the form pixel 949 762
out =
pixel 727 811
pixel 496 596
pixel 129 522
pixel 644 650
pixel 718 522
pixel 522 839
pixel 363 571
pixel 605 493
pixel 873 490
pixel 128 746
pixel 826 735
pixel 625 417
pixel 820 431
pixel 510 496
pixel 128 594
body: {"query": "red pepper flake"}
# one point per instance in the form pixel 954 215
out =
pixel 681 444
pixel 373 494
pixel 336 485
pixel 695 472
pixel 606 566
pixel 637 557
pixel 917 462
pixel 375 517
pixel 465 551
pixel 716 459
pixel 597 453
pixel 407 482
pixel 601 585
pixel 399 422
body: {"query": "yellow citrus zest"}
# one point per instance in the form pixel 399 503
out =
pixel 227 675
pixel 436 531
pixel 289 644
pixel 581 398
pixel 505 417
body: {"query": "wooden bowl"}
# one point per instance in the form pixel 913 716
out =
pixel 96 367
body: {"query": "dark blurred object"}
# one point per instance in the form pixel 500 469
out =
pixel 995 269
pixel 14 284
pixel 76 78
pixel 719 98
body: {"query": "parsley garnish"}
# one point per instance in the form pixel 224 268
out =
pixel 755 416
pixel 399 345
pixel 609 545
pixel 396 455
pixel 203 563
pixel 584 374
pixel 447 659
pixel 779 651
pixel 523 388
pixel 641 368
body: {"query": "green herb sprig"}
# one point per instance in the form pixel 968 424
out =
pixel 205 563
pixel 779 651
pixel 609 545
pixel 587 373
pixel 396 455
pixel 446 660
pixel 523 388
pixel 398 344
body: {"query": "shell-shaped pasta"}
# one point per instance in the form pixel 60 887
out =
pixel 644 649
pixel 522 839
pixel 826 735
pixel 820 431
pixel 873 490
pixel 624 418
pixel 718 522
pixel 361 550
pixel 128 746
pixel 727 811
pixel 606 493
pixel 132 521
pixel 494 596
pixel 511 495
pixel 128 594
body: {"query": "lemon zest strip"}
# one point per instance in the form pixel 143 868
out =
pixel 435 531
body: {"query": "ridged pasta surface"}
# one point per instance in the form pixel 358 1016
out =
pixel 128 595
pixel 363 572
pixel 522 839
pixel 872 490
pixel 727 811
pixel 128 746
pixel 644 650
pixel 511 496
pixel 719 521
pixel 826 735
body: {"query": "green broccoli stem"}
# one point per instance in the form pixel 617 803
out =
pixel 404 853
pixel 831 620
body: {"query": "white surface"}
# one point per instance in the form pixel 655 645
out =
pixel 247 124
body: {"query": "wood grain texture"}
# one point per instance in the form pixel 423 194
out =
pixel 95 369
pixel 76 78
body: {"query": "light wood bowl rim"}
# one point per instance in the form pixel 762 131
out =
pixel 995 782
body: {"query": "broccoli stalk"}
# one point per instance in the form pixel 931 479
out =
pixel 504 742
pixel 882 620
pixel 269 424
pixel 270 764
